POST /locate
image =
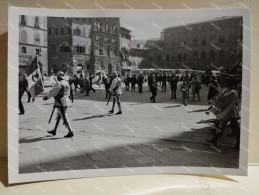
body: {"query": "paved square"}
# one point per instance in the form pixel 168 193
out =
pixel 146 134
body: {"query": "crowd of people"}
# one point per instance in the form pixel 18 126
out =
pixel 223 95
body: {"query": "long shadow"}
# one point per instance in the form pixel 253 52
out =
pixel 48 137
pixel 200 110
pixel 206 121
pixel 91 117
pixel 188 148
pixel 172 106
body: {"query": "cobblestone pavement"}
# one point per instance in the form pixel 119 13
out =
pixel 146 134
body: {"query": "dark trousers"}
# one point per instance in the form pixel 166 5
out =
pixel 140 88
pixel 21 108
pixel 91 88
pixel 71 95
pixel 154 93
pixel 164 87
pixel 29 95
pixel 173 92
pixel 133 86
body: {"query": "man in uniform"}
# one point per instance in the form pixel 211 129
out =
pixel 116 91
pixel 60 91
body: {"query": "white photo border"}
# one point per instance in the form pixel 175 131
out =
pixel 13 117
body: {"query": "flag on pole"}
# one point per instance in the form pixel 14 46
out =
pixel 35 83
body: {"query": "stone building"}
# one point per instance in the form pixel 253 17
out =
pixel 33 41
pixel 83 45
pixel 197 45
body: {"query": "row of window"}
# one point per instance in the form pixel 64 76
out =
pixel 67 31
pixel 24 51
pixel 65 48
pixel 203 42
pixel 212 26
pixel 107 49
pixel 24 19
pixel 99 26
pixel 195 56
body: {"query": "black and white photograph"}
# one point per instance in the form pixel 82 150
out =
pixel 140 92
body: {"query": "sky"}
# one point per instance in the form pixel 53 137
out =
pixel 150 27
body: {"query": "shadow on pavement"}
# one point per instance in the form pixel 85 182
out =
pixel 188 148
pixel 200 110
pixel 48 137
pixel 91 117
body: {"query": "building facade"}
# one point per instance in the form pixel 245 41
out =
pixel 197 45
pixel 33 42
pixel 83 45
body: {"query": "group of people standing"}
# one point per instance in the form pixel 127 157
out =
pixel 130 83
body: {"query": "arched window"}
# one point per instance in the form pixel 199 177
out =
pixel 23 36
pixel 167 58
pixel 77 31
pixel 36 39
pixel 203 41
pixel 53 47
pixel 84 32
pixel 195 42
pixel 212 54
pixel 203 55
pixel 172 58
pixel 195 55
pixel 36 22
pixel 185 56
pixel 179 57
pixel 221 54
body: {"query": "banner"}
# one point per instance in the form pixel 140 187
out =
pixel 35 83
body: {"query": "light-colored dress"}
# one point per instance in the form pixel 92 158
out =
pixel 56 89
pixel 116 84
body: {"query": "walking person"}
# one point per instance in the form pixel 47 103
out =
pixel 26 87
pixel 196 86
pixel 91 83
pixel 81 83
pixel 116 92
pixel 184 90
pixel 107 84
pixel 21 92
pixel 173 83
pixel 227 109
pixel 213 88
pixel 86 86
pixel 60 91
pixel 72 89
pixel 133 83
pixel 164 81
pixel 127 82
pixel 140 83
pixel 153 87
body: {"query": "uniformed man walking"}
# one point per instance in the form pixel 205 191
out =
pixel 116 91
pixel 60 91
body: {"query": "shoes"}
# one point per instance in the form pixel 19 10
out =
pixel 185 104
pixel 70 134
pixel 120 112
pixel 53 132
pixel 207 112
pixel 111 111
pixel 21 113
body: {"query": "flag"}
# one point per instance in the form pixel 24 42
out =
pixel 35 84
